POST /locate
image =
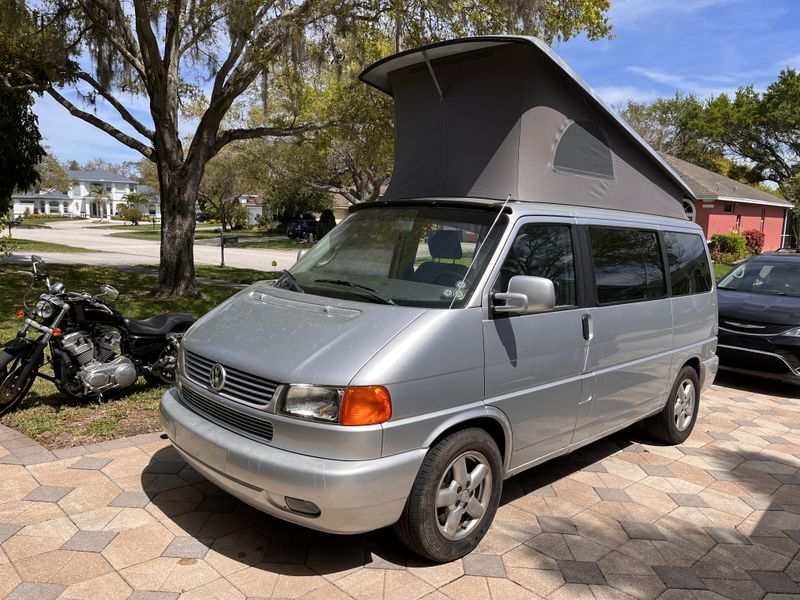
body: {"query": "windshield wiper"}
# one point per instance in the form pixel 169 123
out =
pixel 288 281
pixel 368 291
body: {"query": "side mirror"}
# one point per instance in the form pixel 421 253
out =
pixel 301 254
pixel 36 259
pixel 527 295
pixel 110 291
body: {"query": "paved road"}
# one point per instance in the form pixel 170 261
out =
pixel 622 519
pixel 125 251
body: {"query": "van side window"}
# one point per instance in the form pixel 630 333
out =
pixel 542 250
pixel 688 265
pixel 627 265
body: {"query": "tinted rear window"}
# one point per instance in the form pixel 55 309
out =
pixel 688 265
pixel 627 265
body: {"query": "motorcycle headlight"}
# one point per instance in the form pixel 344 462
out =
pixel 356 405
pixel 44 309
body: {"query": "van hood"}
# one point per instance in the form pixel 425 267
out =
pixel 290 337
pixel 757 307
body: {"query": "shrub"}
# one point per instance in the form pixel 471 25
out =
pixel 326 222
pixel 727 248
pixel 132 214
pixel 755 240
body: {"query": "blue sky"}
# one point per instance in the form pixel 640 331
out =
pixel 703 47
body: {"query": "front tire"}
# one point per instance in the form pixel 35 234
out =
pixel 10 366
pixel 454 498
pixel 675 423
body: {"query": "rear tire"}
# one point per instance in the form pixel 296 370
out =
pixel 10 366
pixel 675 423
pixel 454 498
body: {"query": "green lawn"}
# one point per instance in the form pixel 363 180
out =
pixel 721 270
pixel 58 421
pixel 21 245
pixel 146 231
pixel 284 244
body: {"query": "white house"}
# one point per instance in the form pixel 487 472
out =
pixel 99 194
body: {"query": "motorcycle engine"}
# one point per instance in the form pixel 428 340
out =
pixel 99 366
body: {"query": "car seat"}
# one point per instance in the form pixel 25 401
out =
pixel 443 244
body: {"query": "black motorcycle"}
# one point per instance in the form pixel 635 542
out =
pixel 93 347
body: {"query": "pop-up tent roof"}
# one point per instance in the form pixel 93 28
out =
pixel 494 116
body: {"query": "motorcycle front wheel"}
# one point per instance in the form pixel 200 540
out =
pixel 10 367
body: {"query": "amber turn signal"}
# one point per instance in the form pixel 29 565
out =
pixel 20 315
pixel 56 332
pixel 365 405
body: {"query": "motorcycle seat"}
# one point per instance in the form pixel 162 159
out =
pixel 160 324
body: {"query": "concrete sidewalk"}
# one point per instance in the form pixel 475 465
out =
pixel 116 251
pixel 716 517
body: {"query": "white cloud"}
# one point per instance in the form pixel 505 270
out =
pixel 626 12
pixel 615 95
pixel 699 85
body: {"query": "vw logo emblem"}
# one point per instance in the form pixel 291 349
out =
pixel 216 378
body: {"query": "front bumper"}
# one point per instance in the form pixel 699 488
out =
pixel 353 496
pixel 772 356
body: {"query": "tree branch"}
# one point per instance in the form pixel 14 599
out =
pixel 133 143
pixel 226 137
pixel 129 50
pixel 127 116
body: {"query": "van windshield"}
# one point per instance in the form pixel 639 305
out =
pixel 406 255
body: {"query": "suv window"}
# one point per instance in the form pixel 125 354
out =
pixel 542 250
pixel 688 265
pixel 627 265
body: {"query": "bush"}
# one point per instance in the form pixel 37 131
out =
pixel 727 248
pixel 326 222
pixel 132 214
pixel 755 240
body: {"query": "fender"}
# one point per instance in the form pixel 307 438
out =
pixel 19 346
pixel 477 411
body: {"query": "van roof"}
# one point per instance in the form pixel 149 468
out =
pixel 484 116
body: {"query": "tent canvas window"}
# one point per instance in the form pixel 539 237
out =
pixel 583 150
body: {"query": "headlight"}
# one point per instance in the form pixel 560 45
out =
pixel 357 405
pixel 44 309
pixel 792 333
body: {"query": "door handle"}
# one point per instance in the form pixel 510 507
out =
pixel 588 328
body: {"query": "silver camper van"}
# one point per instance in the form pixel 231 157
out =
pixel 529 284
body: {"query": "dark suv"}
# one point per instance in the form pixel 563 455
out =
pixel 759 317
pixel 301 228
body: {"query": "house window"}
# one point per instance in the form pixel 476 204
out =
pixel 109 187
pixel 131 187
pixel 583 150
pixel 738 222
pixel 728 208
pixel 688 206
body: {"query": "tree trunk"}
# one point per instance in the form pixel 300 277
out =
pixel 178 197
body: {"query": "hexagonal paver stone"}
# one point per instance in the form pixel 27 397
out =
pixel 89 541
pixel 688 500
pixel 218 504
pixel 786 478
pixel 722 436
pixel 760 503
pixel 642 531
pixel 775 582
pixel 47 493
pixel 680 578
pixel 727 535
pixel 657 470
pixel 578 571
pixel 36 591
pixel 7 530
pixel 690 451
pixel 613 494
pixel 131 500
pixel 287 553
pixel 187 547
pixel 722 475
pixel 141 595
pixel 165 467
pixel 484 565
pixel 556 525
pixel 90 463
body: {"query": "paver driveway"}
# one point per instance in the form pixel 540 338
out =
pixel 716 517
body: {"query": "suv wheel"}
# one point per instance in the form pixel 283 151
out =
pixel 675 423
pixel 454 498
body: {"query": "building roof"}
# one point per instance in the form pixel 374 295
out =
pixel 515 102
pixel 98 175
pixel 45 195
pixel 708 185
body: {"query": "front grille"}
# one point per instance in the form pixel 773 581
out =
pixel 239 385
pixel 236 421
pixel 753 327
